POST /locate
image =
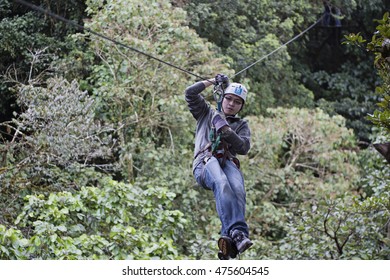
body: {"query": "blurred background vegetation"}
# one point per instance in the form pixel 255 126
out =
pixel 96 141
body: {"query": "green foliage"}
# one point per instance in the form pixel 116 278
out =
pixel 341 77
pixel 339 229
pixel 172 169
pixel 380 47
pixel 346 95
pixel 303 178
pixel 302 140
pixel 12 244
pixel 29 43
pixel 16 40
pixel 296 156
pixel 350 226
pixel 115 221
pixel 311 194
pixel 58 129
pixel 57 143
pixel 142 98
pixel 246 31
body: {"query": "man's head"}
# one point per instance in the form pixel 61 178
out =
pixel 234 99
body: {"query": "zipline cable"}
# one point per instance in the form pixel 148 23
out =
pixel 39 9
pixel 274 51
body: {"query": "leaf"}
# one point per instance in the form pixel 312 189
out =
pixel 62 228
pixel 53 237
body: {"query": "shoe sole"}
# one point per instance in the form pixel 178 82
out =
pixel 226 248
pixel 221 256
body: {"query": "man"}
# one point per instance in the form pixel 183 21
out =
pixel 220 136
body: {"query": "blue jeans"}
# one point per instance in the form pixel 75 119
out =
pixel 227 184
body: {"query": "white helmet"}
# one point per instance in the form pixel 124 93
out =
pixel 237 89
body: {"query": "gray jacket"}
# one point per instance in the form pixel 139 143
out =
pixel 237 139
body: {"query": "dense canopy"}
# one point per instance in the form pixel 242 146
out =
pixel 96 141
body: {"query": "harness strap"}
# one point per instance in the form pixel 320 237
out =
pixel 214 139
pixel 212 145
pixel 208 145
pixel 225 155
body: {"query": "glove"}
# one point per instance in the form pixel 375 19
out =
pixel 222 79
pixel 219 122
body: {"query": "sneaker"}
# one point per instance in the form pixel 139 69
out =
pixel 241 241
pixel 227 248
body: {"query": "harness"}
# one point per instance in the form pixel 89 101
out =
pixel 216 144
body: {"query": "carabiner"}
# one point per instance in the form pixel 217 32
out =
pixel 218 96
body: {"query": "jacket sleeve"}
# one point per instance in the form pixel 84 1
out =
pixel 196 103
pixel 239 140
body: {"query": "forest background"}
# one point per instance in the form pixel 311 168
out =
pixel 96 141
